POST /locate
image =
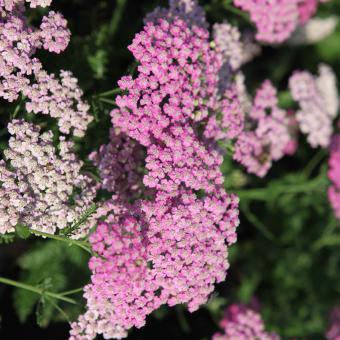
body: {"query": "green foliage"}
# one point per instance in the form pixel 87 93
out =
pixel 7 238
pixel 78 223
pixel 22 231
pixel 55 267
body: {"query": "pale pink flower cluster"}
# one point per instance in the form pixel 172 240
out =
pixel 7 6
pixel 319 103
pixel 18 42
pixel 241 322
pixel 315 30
pixel 276 20
pixel 53 33
pixel 21 72
pixel 37 182
pixel 333 333
pixel 236 49
pixel 267 133
pixel 171 248
pixel 60 99
pixel 334 175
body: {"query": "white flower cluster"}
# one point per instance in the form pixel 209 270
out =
pixel 319 103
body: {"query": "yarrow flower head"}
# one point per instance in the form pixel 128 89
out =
pixel 228 124
pixel 120 164
pixel 241 322
pixel 168 252
pixel 53 33
pixel 307 9
pixel 18 44
pixel 172 247
pixel 61 99
pixel 228 42
pixel 276 20
pixel 319 103
pixel 334 175
pixel 21 72
pixel 42 189
pixel 315 30
pixel 267 135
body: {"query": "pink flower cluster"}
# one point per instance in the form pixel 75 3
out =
pixel 267 133
pixel 228 123
pixel 241 322
pixel 120 164
pixel 334 175
pixel 333 333
pixel 276 20
pixel 319 103
pixel 38 182
pixel 172 247
pixel 21 72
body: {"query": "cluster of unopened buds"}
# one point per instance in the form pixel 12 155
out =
pixel 163 237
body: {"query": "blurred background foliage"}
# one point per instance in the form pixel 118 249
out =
pixel 287 254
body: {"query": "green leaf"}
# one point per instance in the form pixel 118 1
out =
pixel 78 223
pixel 24 302
pixel 22 231
pixel 53 266
pixel 7 238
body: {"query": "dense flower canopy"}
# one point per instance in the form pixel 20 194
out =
pixel 156 165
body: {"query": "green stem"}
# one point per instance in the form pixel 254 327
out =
pixel 14 114
pixel 73 291
pixel 36 290
pixel 108 101
pixel 108 93
pixel 256 222
pixel 327 238
pixel 333 240
pixel 182 320
pixel 312 164
pixel 60 310
pixel 117 17
pixel 265 194
pixel 82 244
pixel 236 11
